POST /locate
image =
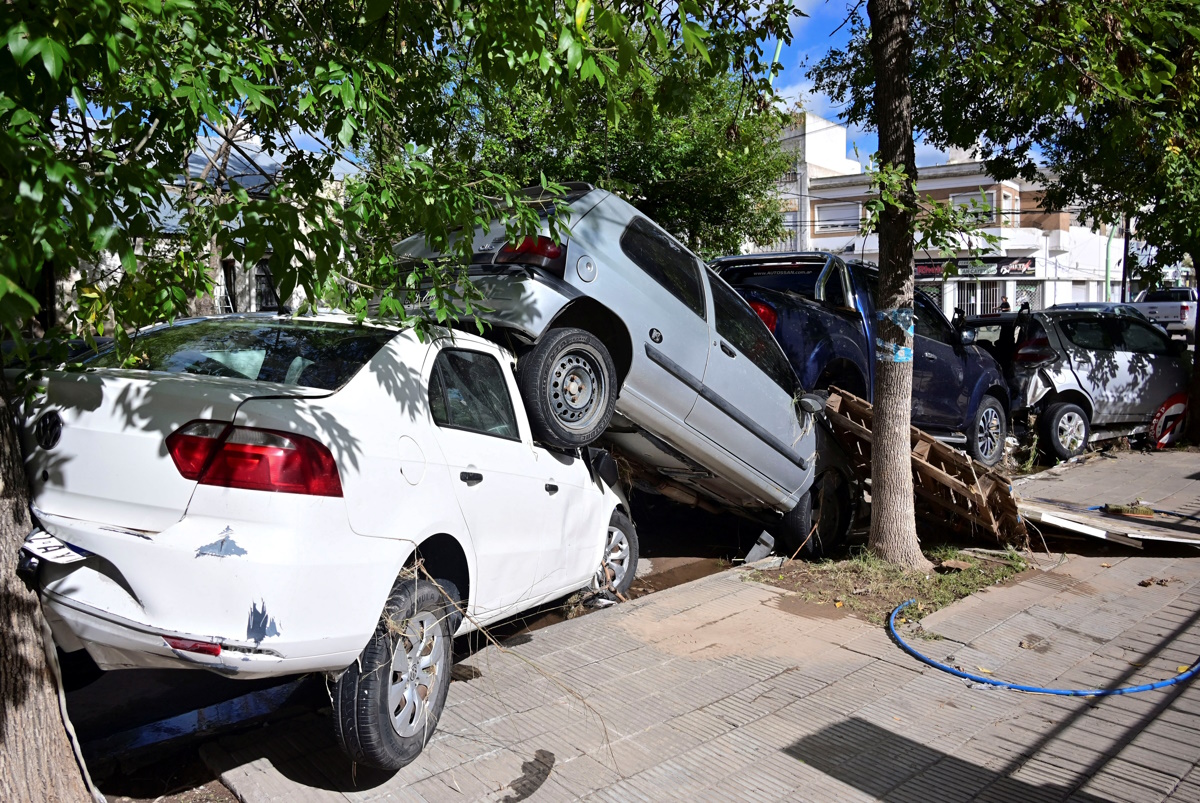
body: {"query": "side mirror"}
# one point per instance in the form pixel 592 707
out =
pixel 968 336
pixel 812 404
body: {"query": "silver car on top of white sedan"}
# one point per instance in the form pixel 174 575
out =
pixel 271 495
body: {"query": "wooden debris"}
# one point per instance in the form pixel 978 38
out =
pixel 945 480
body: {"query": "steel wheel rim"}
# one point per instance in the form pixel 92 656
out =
pixel 988 437
pixel 616 558
pixel 416 674
pixel 1070 431
pixel 577 387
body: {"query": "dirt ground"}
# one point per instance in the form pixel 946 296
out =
pixel 869 588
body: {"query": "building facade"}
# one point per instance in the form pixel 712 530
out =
pixel 1043 257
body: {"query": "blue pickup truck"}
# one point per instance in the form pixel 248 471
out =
pixel 822 311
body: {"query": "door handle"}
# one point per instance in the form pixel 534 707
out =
pixel 551 488
pixel 728 351
pixel 470 477
pixel 929 355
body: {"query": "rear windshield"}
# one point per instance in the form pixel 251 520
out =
pixel 1177 294
pixel 800 279
pixel 309 354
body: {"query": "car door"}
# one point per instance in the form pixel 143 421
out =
pixel 1152 368
pixel 939 397
pixel 656 284
pixel 514 520
pixel 1091 346
pixel 747 405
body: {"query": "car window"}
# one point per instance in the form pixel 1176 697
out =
pixel 1174 294
pixel 1089 333
pixel 929 322
pixel 314 354
pixel 467 391
pixel 1142 339
pixel 665 261
pixel 744 330
pixel 799 279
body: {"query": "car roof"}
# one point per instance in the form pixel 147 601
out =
pixel 814 258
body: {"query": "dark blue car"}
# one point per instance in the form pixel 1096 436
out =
pixel 822 312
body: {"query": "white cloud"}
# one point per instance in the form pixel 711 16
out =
pixel 928 155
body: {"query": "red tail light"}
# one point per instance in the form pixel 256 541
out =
pixel 539 251
pixel 1035 350
pixel 767 313
pixel 218 453
pixel 1183 311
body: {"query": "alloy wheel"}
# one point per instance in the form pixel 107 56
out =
pixel 1071 428
pixel 988 436
pixel 616 559
pixel 416 670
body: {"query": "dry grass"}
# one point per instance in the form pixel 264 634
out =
pixel 870 588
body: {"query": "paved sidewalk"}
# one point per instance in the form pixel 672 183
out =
pixel 724 689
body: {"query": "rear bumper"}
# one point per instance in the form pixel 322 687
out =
pixel 276 599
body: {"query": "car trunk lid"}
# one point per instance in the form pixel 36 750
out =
pixel 95 443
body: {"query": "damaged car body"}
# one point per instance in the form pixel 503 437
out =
pixel 267 496
pixel 625 336
pixel 1086 375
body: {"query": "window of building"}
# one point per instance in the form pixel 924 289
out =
pixel 981 204
pixel 1010 208
pixel 1079 291
pixel 838 217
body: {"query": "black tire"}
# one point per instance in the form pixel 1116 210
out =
pixel 619 562
pixel 569 385
pixel 985 441
pixel 795 526
pixel 417 617
pixel 1064 430
pixel 831 509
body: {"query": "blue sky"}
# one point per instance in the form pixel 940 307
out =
pixel 813 36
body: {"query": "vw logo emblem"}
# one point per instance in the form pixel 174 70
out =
pixel 48 429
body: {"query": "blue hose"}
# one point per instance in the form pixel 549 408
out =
pixel 1162 684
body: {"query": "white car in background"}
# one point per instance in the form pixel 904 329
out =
pixel 269 496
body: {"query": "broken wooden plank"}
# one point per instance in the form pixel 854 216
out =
pixel 943 477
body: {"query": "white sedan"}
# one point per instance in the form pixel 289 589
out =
pixel 265 496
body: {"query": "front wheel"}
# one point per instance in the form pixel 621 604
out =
pixel 618 565
pixel 388 702
pixel 569 385
pixel 1064 430
pixel 985 441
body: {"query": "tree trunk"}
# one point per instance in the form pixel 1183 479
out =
pixel 893 522
pixel 37 761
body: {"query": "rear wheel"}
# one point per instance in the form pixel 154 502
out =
pixel 985 441
pixel 569 385
pixel 387 703
pixel 1064 430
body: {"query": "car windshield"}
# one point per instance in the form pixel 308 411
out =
pixel 313 354
pixel 799 279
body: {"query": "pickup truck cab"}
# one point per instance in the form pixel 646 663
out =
pixel 822 311
pixel 1173 308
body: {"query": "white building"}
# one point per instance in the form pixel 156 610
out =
pixel 1043 257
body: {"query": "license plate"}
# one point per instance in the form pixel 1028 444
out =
pixel 47 547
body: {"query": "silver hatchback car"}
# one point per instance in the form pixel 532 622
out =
pixel 1087 375
pixel 623 333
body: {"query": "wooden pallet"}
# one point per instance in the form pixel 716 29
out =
pixel 945 480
